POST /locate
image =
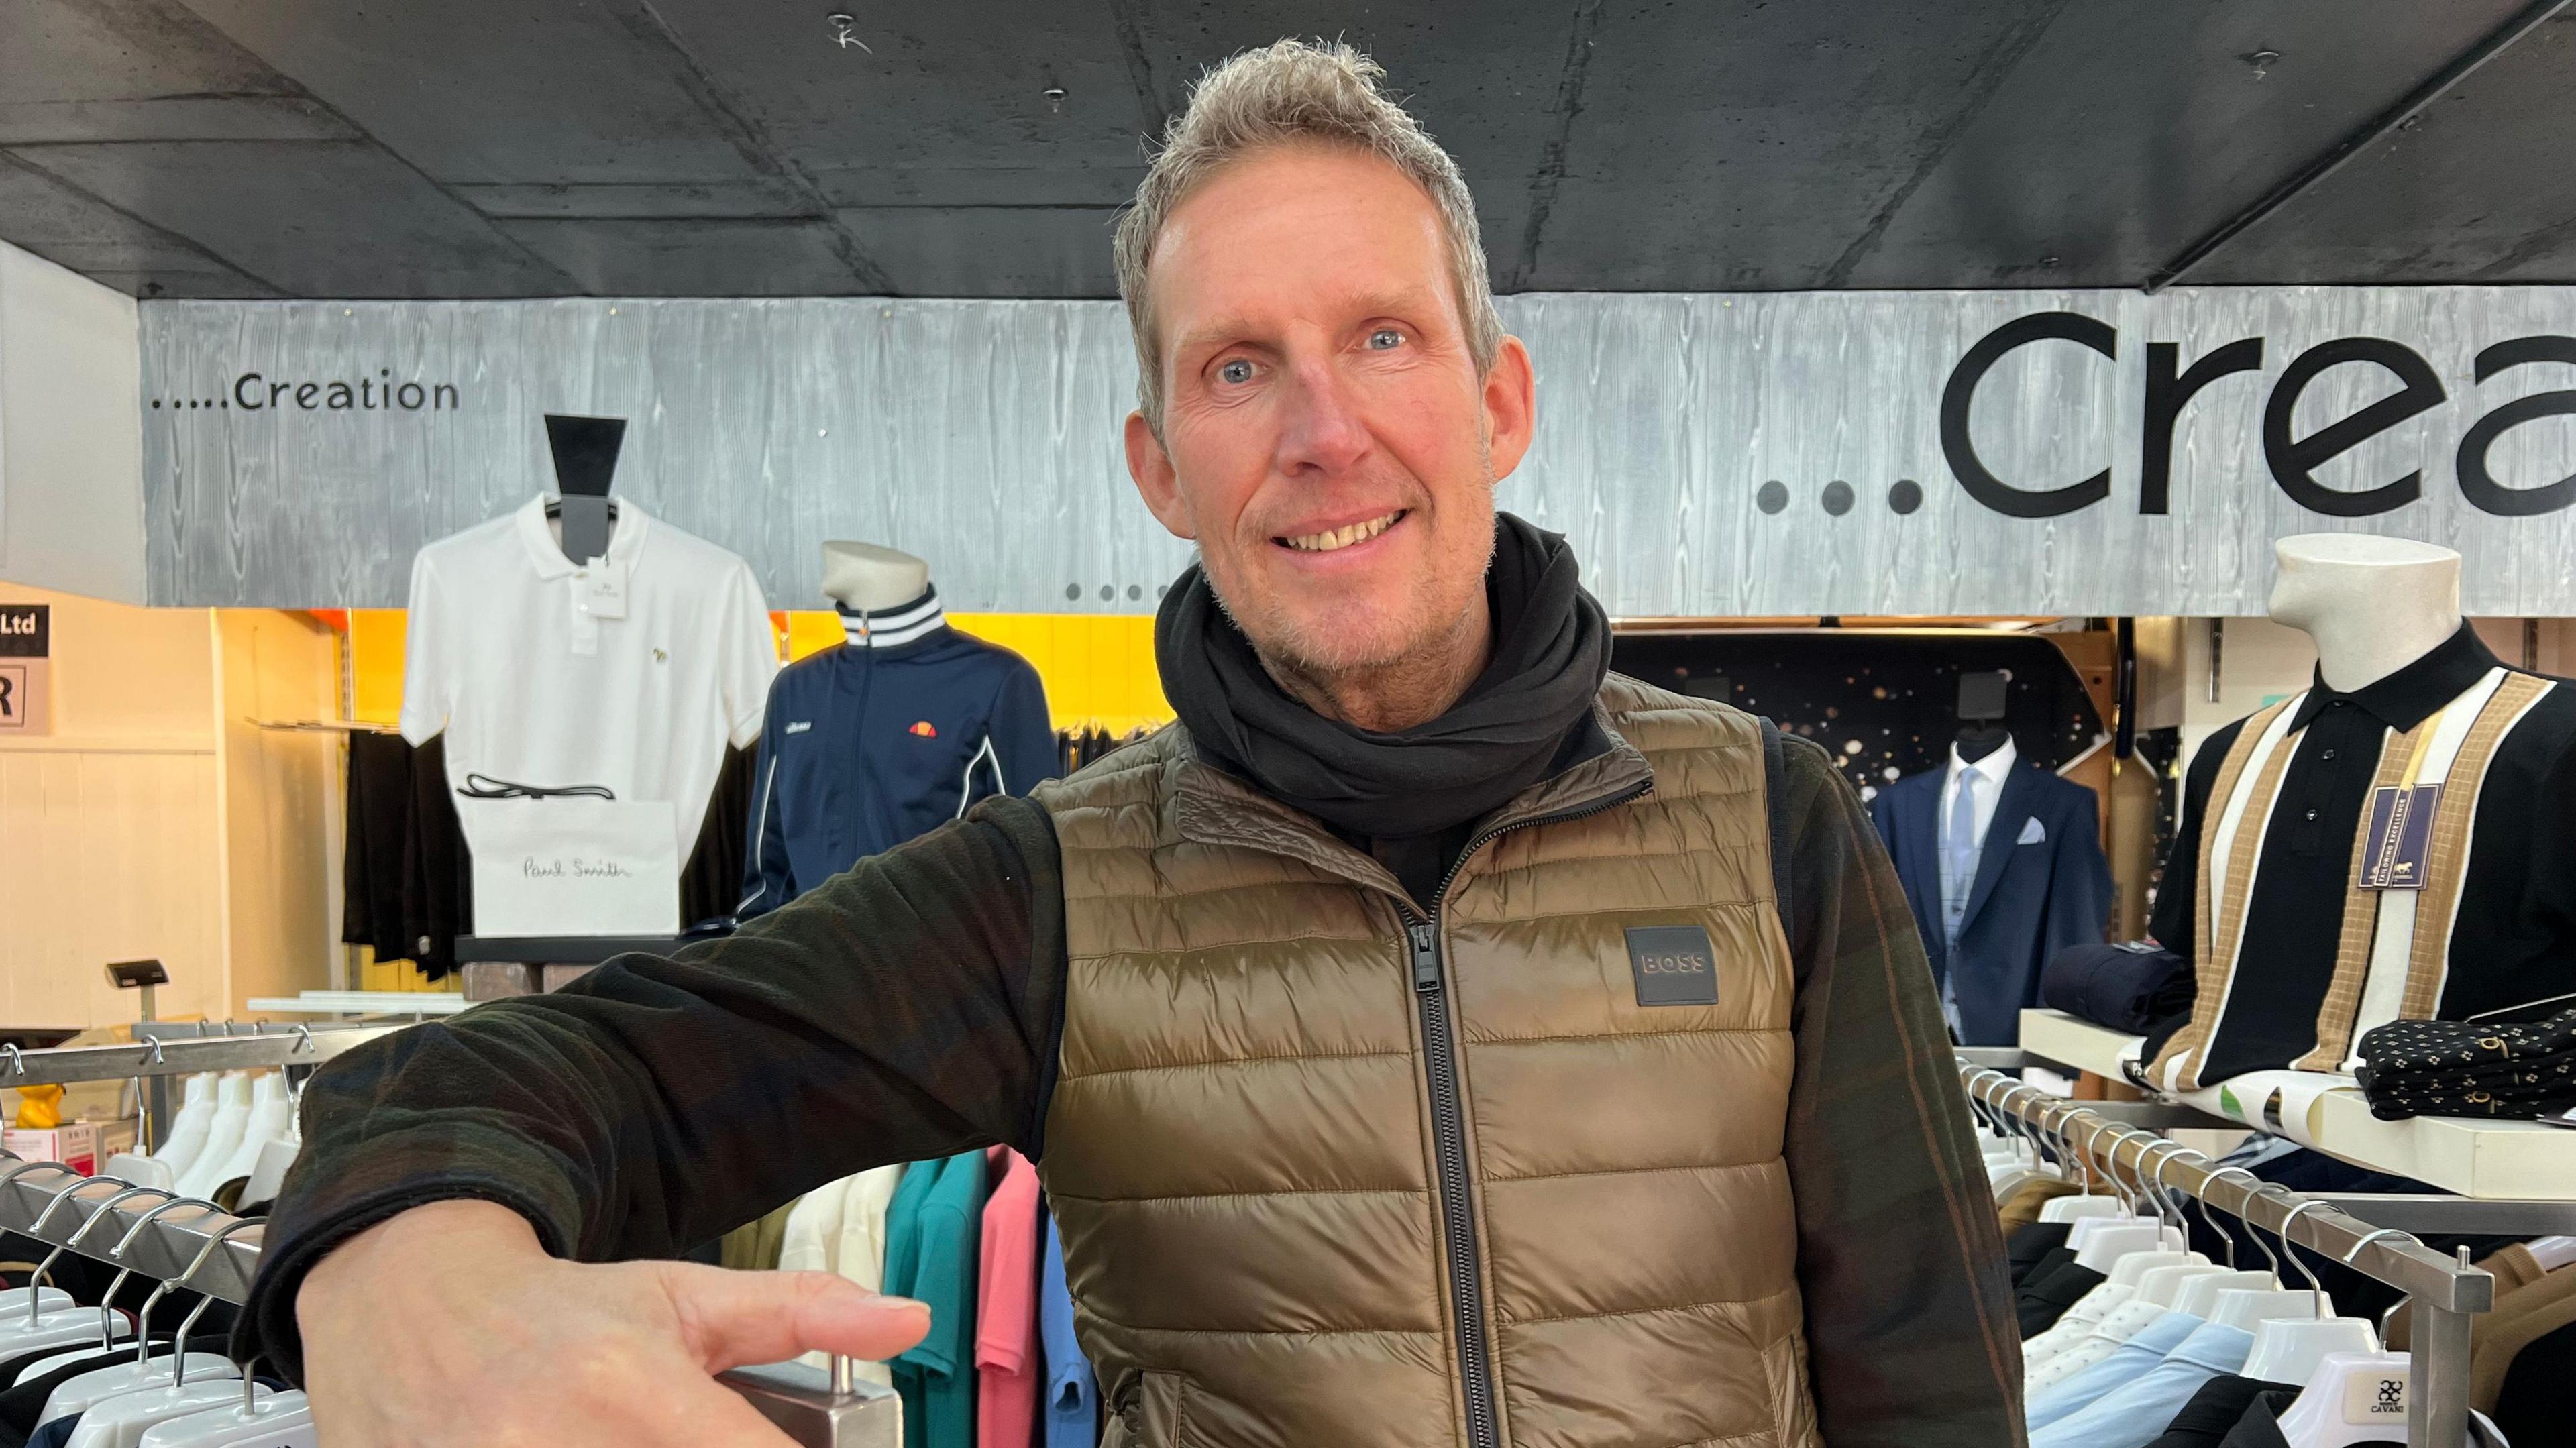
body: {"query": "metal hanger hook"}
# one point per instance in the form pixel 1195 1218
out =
pixel 2155 1190
pixel 2256 1231
pixel 143 1314
pixel 2221 1174
pixel 2292 1249
pixel 2373 1236
pixel 179 1369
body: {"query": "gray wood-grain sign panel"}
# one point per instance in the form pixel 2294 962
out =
pixel 1708 454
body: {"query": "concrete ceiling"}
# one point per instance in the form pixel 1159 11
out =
pixel 502 148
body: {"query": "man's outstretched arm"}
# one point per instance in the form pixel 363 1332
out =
pixel 905 1010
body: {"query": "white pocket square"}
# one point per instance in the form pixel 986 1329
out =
pixel 2032 833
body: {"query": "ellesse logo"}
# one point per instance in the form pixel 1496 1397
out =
pixel 923 729
pixel 1674 965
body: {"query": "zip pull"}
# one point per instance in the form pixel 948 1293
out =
pixel 1426 955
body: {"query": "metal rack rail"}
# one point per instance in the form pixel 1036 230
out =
pixel 2447 1292
pixel 199 1246
pixel 158 1051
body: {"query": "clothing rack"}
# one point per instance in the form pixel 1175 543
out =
pixel 2447 1293
pixel 154 1053
pixel 198 1246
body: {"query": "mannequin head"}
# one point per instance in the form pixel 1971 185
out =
pixel 872 579
pixel 2373 605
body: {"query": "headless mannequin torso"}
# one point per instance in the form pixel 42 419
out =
pixel 2372 605
pixel 865 578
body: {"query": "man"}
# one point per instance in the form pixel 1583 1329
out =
pixel 1428 1041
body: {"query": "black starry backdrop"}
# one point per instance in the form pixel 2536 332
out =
pixel 1885 705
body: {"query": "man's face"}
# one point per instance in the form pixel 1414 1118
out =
pixel 1327 440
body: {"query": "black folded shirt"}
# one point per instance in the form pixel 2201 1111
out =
pixel 2128 987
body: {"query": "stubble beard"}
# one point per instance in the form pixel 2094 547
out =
pixel 1366 676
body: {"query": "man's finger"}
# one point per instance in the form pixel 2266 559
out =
pixel 737 1318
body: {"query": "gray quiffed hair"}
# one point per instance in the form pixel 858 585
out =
pixel 1292 91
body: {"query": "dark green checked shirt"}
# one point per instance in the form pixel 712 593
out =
pixel 913 1007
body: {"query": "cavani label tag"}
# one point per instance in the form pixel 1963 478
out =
pixel 2378 1397
pixel 1674 965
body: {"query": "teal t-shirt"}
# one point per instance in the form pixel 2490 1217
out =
pixel 934 1249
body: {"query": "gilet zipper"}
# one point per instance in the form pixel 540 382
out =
pixel 1449 1127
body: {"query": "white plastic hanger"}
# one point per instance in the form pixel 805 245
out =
pixel 2353 1397
pixel 2288 1350
pixel 2200 1295
pixel 143 1171
pixel 2197 1293
pixel 270 1174
pixel 61 1326
pixel 187 1138
pixel 2163 1286
pixel 223 1138
pixel 120 1421
pixel 76 1394
pixel 268 1117
pixel 280 1420
pixel 2248 1311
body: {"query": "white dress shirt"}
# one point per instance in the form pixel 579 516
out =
pixel 1991 773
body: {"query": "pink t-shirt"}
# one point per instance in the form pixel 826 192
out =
pixel 1009 1364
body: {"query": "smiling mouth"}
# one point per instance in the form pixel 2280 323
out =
pixel 1340 538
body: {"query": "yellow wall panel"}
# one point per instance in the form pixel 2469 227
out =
pixel 1098 668
pixel 376 664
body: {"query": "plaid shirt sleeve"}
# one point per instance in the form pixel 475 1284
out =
pixel 905 1010
pixel 1911 1339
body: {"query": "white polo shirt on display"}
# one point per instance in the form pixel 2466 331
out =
pixel 633 673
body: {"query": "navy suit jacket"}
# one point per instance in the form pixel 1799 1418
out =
pixel 2029 900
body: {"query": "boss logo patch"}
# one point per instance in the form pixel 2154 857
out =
pixel 1674 965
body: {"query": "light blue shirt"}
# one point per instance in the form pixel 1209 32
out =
pixel 2126 1362
pixel 2137 1414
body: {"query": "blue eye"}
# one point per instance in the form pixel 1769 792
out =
pixel 1385 339
pixel 1237 370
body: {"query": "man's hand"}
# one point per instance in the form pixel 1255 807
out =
pixel 449 1324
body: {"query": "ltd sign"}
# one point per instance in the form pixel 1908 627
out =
pixel 26 648
pixel 2292 454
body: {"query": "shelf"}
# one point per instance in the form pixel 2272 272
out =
pixel 2487 1160
pixel 2070 1042
pixel 363 1003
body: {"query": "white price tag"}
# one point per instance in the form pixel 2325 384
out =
pixel 599 589
pixel 2378 1398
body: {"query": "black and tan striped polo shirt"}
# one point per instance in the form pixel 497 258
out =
pixel 2293 961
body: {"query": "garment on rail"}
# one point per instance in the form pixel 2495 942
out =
pixel 887 735
pixel 2215 1410
pixel 2403 851
pixel 934 1238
